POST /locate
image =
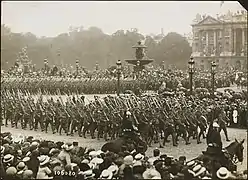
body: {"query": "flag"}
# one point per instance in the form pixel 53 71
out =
pixel 221 3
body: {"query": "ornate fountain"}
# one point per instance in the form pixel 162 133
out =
pixel 141 58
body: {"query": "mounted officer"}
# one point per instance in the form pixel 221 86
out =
pixel 213 138
pixel 129 130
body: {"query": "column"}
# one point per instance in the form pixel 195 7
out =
pixel 234 39
pixel 231 40
pixel 215 41
pixel 207 38
pixel 243 37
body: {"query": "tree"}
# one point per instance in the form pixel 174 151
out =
pixel 174 49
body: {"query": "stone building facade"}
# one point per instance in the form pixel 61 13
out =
pixel 222 39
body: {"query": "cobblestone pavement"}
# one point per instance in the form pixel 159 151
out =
pixel 190 151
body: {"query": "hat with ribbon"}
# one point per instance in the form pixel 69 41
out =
pixel 7 158
pixel 20 166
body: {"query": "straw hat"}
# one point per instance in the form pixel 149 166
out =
pixel 26 159
pixel 7 158
pixel 139 157
pixel 215 124
pixel 96 160
pixel 191 164
pixel 86 161
pixel 93 153
pixel 106 174
pixel 20 166
pixel 88 174
pixel 114 169
pixel 43 159
pixel 223 173
pixel 67 146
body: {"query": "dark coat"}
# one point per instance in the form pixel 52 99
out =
pixel 33 164
pixel 214 137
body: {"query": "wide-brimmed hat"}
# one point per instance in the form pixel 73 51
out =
pixel 43 159
pixel 223 173
pixel 54 151
pixel 28 174
pixel 26 159
pixel 88 174
pixel 106 174
pixel 20 166
pixel 151 173
pixel 96 160
pixel 114 169
pixel 198 170
pixel 215 124
pixel 86 161
pixel 7 158
pixel 139 157
pixel 67 146
pixel 128 160
pixel 93 153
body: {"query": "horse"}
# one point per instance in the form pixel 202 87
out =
pixel 229 157
pixel 117 146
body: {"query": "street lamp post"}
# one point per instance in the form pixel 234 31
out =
pixel 46 65
pixel 77 67
pixel 191 71
pixel 138 69
pixel 213 68
pixel 118 64
pixel 163 65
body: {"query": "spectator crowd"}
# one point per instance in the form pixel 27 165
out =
pixel 30 158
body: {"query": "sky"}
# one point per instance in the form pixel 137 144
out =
pixel 51 18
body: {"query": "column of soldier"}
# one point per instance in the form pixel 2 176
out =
pixel 178 116
pixel 108 85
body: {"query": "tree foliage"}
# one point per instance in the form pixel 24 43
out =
pixel 90 46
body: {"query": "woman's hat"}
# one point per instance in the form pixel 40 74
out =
pixel 106 174
pixel 7 158
pixel 43 159
pixel 223 173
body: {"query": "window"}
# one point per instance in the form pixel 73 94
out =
pixel 227 33
pixel 196 35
